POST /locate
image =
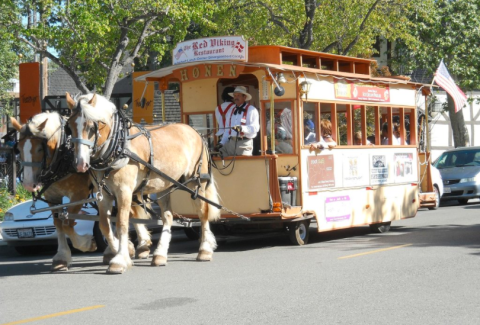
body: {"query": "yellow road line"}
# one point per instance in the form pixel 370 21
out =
pixel 54 315
pixel 375 251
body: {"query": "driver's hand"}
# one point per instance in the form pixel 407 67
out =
pixel 237 128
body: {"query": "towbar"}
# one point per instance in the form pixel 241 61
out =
pixel 60 206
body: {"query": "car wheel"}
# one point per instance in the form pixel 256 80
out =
pixel 28 250
pixel 380 227
pixel 463 201
pixel 100 240
pixel 437 199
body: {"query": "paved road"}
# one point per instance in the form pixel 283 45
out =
pixel 425 271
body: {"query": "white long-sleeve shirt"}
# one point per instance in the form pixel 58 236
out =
pixel 219 117
pixel 249 128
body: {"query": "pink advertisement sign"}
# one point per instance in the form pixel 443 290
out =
pixel 337 208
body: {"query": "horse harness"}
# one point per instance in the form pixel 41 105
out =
pixel 61 163
pixel 117 149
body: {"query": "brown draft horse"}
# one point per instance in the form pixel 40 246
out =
pixel 40 140
pixel 177 150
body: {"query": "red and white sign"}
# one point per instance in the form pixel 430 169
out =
pixel 232 48
pixel 364 91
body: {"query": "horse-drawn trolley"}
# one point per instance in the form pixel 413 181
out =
pixel 370 177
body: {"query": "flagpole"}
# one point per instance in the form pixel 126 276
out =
pixel 426 114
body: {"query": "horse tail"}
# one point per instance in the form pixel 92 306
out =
pixel 211 192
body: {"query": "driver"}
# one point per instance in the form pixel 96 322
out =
pixel 241 124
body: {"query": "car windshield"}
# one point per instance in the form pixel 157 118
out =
pixel 458 158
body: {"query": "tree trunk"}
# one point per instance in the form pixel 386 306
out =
pixel 460 133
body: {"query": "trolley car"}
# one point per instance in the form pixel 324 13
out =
pixel 372 180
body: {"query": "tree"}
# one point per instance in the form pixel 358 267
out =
pixel 93 40
pixel 8 71
pixel 346 27
pixel 451 33
pixel 8 67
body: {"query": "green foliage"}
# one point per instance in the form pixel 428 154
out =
pixel 450 33
pixel 8 71
pixel 93 40
pixel 7 200
pixel 347 27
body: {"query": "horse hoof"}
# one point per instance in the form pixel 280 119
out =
pixel 116 269
pixel 59 266
pixel 107 258
pixel 204 256
pixel 159 260
pixel 143 252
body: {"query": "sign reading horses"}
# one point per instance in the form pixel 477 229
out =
pixel 232 48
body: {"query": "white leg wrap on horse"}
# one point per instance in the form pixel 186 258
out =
pixel 144 237
pixel 120 260
pixel 64 255
pixel 123 251
pixel 209 244
pixel 164 243
pixel 112 247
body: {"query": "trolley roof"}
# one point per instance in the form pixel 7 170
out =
pixel 287 59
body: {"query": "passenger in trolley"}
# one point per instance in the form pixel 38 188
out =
pixel 396 135
pixel 242 125
pixel 357 139
pixel 326 140
pixel 396 141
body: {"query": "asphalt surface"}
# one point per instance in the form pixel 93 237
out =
pixel 424 271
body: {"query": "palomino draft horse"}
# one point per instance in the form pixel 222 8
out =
pixel 102 137
pixel 47 161
pixel 39 146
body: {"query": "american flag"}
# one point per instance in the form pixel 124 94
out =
pixel 179 54
pixel 443 79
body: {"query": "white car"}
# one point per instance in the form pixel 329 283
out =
pixel 28 232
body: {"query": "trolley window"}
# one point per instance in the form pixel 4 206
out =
pixel 283 132
pixel 204 124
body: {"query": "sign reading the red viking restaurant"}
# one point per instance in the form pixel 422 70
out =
pixel 347 89
pixel 232 48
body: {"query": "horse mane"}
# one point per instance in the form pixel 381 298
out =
pixel 52 125
pixel 102 112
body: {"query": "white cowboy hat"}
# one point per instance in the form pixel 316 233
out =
pixel 241 90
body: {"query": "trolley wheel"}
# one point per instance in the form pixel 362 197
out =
pixel 380 227
pixel 437 199
pixel 299 232
pixel 100 240
pixel 192 233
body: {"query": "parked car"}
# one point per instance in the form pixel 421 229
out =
pixel 28 233
pixel 460 171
